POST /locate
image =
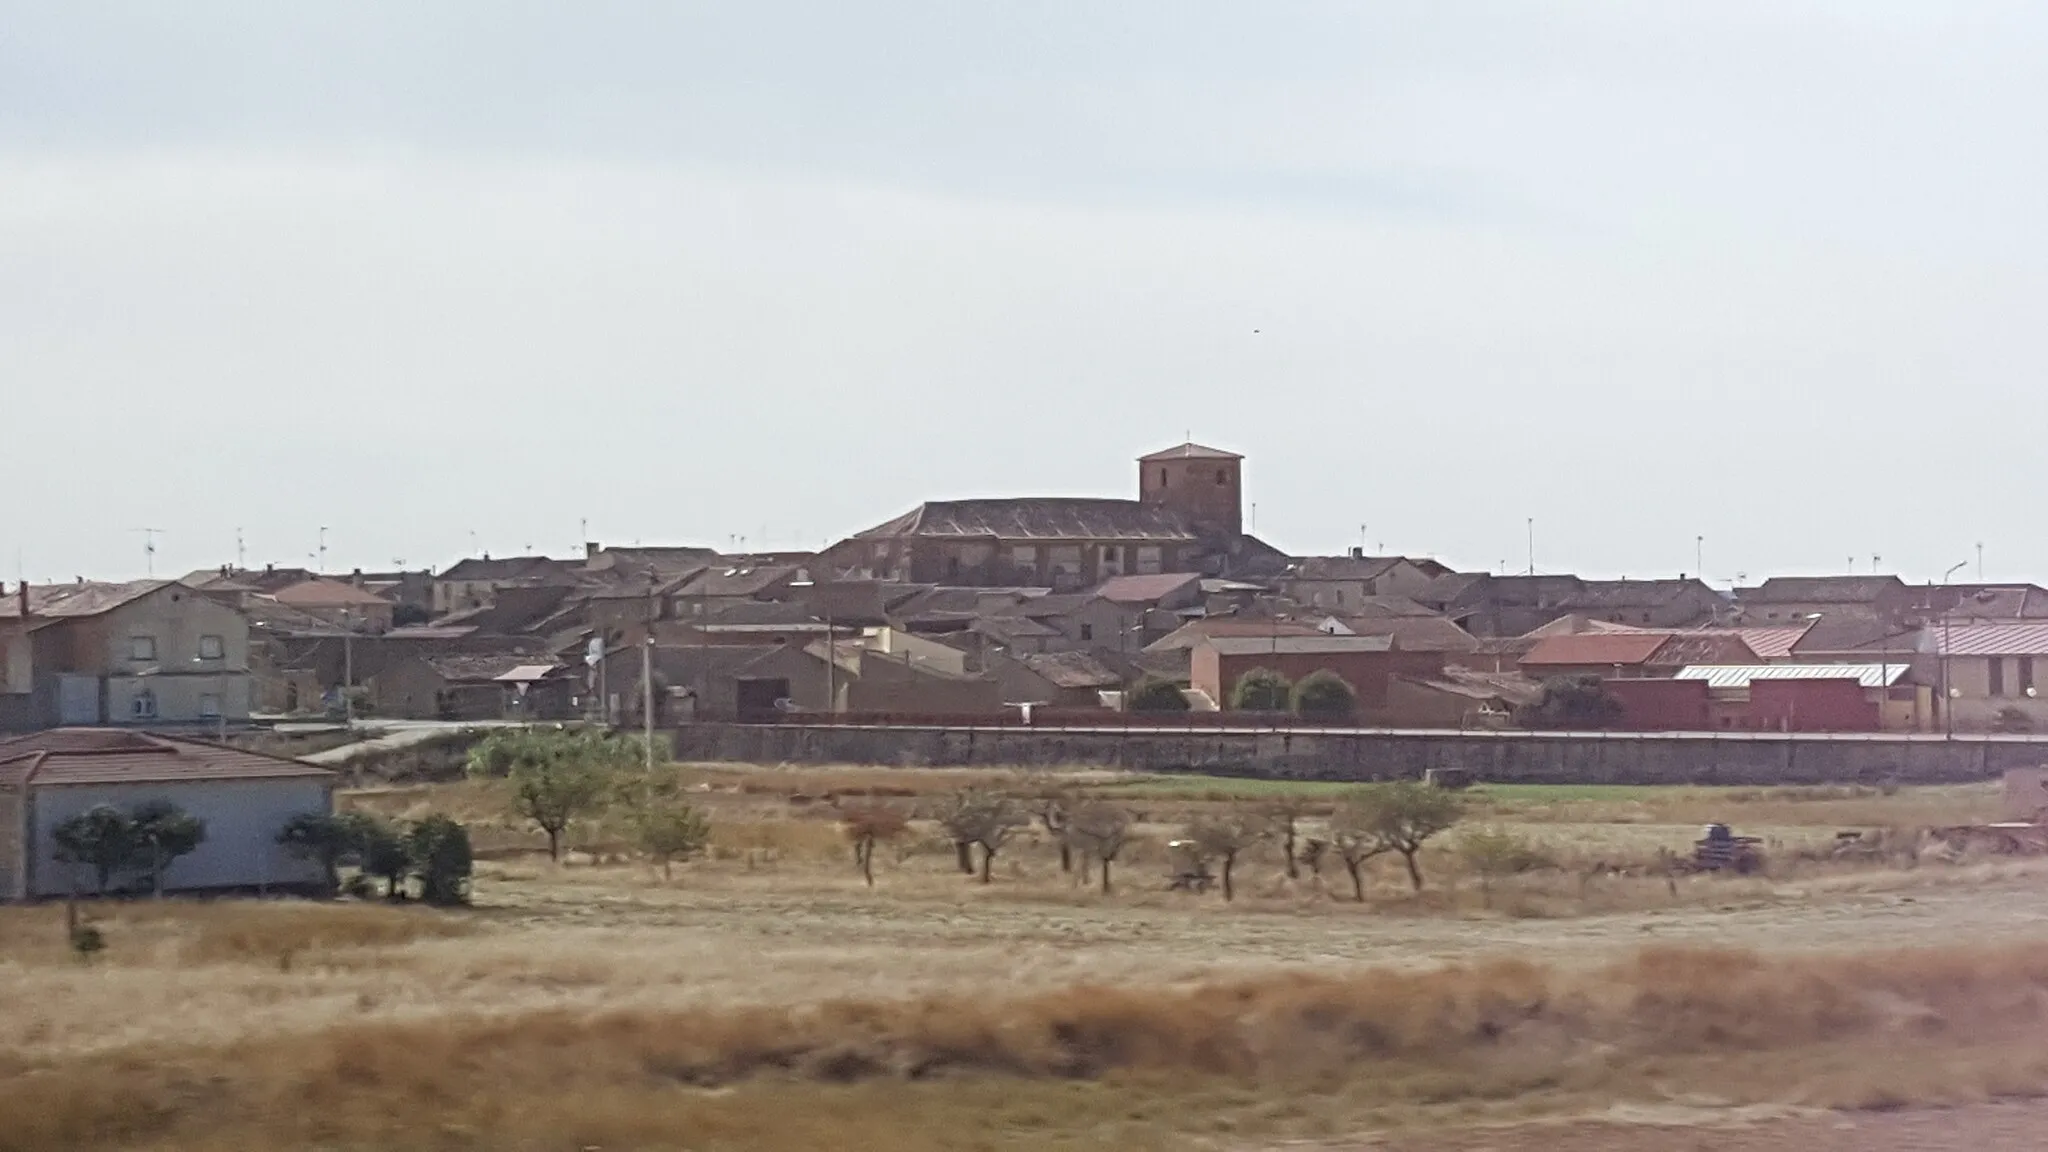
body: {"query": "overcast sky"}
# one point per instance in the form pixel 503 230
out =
pixel 445 277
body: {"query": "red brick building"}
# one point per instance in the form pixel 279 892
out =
pixel 1366 663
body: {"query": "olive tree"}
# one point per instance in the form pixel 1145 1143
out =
pixel 1324 695
pixel 437 851
pixel 163 832
pixel 555 776
pixel 1402 816
pixel 980 818
pixel 322 837
pixel 1099 832
pixel 867 825
pixel 101 838
pixel 1224 837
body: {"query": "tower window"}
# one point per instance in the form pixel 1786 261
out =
pixel 1162 477
pixel 1222 477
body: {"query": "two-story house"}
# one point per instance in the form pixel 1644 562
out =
pixel 148 652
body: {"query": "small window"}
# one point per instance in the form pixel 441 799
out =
pixel 211 648
pixel 209 707
pixel 143 707
pixel 1162 478
pixel 142 648
pixel 1997 666
pixel 1024 554
pixel 1112 554
pixel 1087 631
pixel 1223 477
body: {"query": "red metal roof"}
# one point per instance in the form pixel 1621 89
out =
pixel 68 756
pixel 1596 649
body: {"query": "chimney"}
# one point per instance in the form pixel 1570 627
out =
pixel 591 548
pixel 270 569
pixel 1358 552
pixel 24 601
pixel 356 578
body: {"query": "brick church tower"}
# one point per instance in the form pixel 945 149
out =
pixel 1205 485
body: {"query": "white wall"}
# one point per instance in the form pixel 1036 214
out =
pixel 242 817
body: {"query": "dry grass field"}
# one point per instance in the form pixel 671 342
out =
pixel 765 998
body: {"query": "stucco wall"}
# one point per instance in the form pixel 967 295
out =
pixel 242 818
pixel 1509 757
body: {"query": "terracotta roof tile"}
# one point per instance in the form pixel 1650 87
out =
pixel 1596 649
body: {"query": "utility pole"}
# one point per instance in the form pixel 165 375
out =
pixel 348 667
pixel 1532 545
pixel 647 679
pixel 1980 562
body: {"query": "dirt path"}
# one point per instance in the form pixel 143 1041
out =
pixel 2018 1127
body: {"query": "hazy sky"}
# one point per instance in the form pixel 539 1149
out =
pixel 1773 273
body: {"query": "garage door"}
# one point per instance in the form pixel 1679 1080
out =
pixel 78 700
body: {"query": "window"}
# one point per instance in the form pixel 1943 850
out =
pixel 1162 477
pixel 209 706
pixel 142 648
pixel 1148 561
pixel 1997 666
pixel 1087 632
pixel 211 648
pixel 1223 477
pixel 1024 556
pixel 1111 554
pixel 143 707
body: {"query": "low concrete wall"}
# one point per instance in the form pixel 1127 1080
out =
pixel 1501 757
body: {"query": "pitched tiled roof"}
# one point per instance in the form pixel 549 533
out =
pixel 1048 518
pixel 1195 632
pixel 1704 648
pixel 1767 643
pixel 2024 602
pixel 1317 645
pixel 1821 590
pixel 67 756
pixel 504 568
pixel 1414 633
pixel 1145 589
pixel 1188 451
pixel 737 580
pixel 323 593
pixel 89 598
pixel 1606 595
pixel 1345 567
pixel 1596 649
pixel 1073 670
pixel 476 667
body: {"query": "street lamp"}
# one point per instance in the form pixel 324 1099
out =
pixel 1948 694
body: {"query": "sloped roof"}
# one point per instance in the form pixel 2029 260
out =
pixel 320 592
pixel 737 580
pixel 1607 595
pixel 2020 602
pixel 1381 607
pixel 1993 639
pixel 476 666
pixel 1195 632
pixel 759 614
pixel 1767 643
pixel 1509 688
pixel 504 568
pixel 1316 645
pixel 70 756
pixel 1188 451
pixel 1739 675
pixel 1037 518
pixel 1704 648
pixel 1345 567
pixel 1575 625
pixel 1414 633
pixel 1073 670
pixel 71 601
pixel 1596 649
pixel 1146 589
pixel 1821 590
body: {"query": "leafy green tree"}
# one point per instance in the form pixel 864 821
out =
pixel 1401 817
pixel 437 851
pixel 102 838
pixel 671 830
pixel 1156 696
pixel 1324 695
pixel 1260 690
pixel 1572 702
pixel 556 775
pixel 163 832
pixel 380 850
pixel 322 837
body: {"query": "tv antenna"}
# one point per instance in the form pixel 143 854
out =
pixel 322 565
pixel 149 536
pixel 241 553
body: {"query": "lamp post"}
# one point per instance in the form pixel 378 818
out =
pixel 1948 696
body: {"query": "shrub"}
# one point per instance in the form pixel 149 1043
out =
pixel 1495 852
pixel 1325 695
pixel 438 852
pixel 380 851
pixel 1156 696
pixel 555 775
pixel 102 838
pixel 1260 690
pixel 322 837
pixel 1571 702
pixel 670 830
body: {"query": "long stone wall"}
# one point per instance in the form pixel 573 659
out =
pixel 1502 757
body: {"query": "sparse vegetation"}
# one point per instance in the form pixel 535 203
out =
pixel 1156 696
pixel 111 842
pixel 1223 837
pixel 1100 831
pixel 1580 703
pixel 556 776
pixel 1402 817
pixel 983 819
pixel 868 825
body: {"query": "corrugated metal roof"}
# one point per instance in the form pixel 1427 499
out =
pixel 1739 675
pixel 1992 639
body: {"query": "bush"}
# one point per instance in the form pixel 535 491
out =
pixel 1325 695
pixel 322 837
pixel 1571 702
pixel 1156 696
pixel 1260 690
pixel 1495 852
pixel 437 850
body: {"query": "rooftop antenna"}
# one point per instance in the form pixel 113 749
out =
pixel 1980 561
pixel 149 536
pixel 241 553
pixel 322 568
pixel 1361 537
pixel 1532 545
pixel 1699 556
pixel 1875 560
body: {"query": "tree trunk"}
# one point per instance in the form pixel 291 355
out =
pixel 554 844
pixel 1066 855
pixel 963 850
pixel 867 862
pixel 1293 868
pixel 101 874
pixel 1087 868
pixel 988 858
pixel 156 871
pixel 1229 862
pixel 1357 881
pixel 1105 877
pixel 666 872
pixel 1414 873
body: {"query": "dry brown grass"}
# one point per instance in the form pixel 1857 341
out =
pixel 1871 1030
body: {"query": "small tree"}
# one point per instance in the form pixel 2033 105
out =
pixel 1403 816
pixel 1155 696
pixel 555 776
pixel 164 832
pixel 380 849
pixel 867 825
pixel 437 850
pixel 1324 695
pixel 1053 814
pixel 1226 836
pixel 1492 853
pixel 980 818
pixel 1100 831
pixel 102 838
pixel 1283 816
pixel 671 830
pixel 1571 702
pixel 1355 840
pixel 322 837
pixel 1260 690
